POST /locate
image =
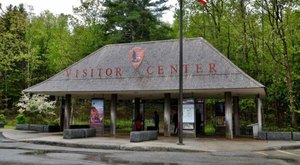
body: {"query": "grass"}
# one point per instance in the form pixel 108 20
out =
pixel 10 126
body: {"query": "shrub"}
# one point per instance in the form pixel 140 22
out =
pixel 20 119
pixel 209 128
pixel 38 109
pixel 123 124
pixel 3 119
pixel 36 103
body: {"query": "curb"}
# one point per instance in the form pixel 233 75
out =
pixel 4 139
pixel 113 147
pixel 289 147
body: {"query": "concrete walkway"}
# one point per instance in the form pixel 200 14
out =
pixel 121 142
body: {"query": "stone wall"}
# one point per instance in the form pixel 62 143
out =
pixel 139 136
pixel 79 133
pixel 39 128
pixel 267 135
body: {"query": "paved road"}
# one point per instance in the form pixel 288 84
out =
pixel 26 153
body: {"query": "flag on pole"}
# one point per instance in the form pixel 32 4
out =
pixel 204 2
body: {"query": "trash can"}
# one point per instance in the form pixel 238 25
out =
pixel 254 129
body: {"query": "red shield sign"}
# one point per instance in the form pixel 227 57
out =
pixel 136 56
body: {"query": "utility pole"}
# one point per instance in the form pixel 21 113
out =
pixel 180 131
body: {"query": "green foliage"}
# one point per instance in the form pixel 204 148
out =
pixel 21 119
pixel 209 128
pixel 123 124
pixel 13 49
pixel 3 119
pixel 129 21
pixel 278 129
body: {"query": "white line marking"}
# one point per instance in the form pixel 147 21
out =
pixel 262 153
pixel 288 153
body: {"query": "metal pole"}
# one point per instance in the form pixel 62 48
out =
pixel 180 132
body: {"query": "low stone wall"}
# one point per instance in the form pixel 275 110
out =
pixel 266 135
pixel 79 133
pixel 39 128
pixel 22 127
pixel 139 136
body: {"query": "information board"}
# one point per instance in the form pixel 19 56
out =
pixel 97 113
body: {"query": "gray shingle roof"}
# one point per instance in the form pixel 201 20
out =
pixel 109 70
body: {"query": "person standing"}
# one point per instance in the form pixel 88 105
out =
pixel 139 122
pixel 156 121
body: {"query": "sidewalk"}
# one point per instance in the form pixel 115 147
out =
pixel 121 142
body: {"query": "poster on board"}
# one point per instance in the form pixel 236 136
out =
pixel 188 114
pixel 97 113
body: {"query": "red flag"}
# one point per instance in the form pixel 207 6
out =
pixel 204 2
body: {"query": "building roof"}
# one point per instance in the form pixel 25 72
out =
pixel 151 69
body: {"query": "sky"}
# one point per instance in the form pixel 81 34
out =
pixel 66 6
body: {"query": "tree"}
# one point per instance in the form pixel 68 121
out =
pixel 261 38
pixel 278 13
pixel 13 49
pixel 134 20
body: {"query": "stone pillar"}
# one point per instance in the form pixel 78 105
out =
pixel 259 114
pixel 67 111
pixel 167 115
pixel 228 115
pixel 236 108
pixel 62 113
pixel 113 114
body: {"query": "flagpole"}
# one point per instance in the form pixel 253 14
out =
pixel 180 129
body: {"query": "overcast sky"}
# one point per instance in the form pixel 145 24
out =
pixel 65 6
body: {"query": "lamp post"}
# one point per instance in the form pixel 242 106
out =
pixel 180 131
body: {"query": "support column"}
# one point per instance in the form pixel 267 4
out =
pixel 236 108
pixel 62 113
pixel 259 114
pixel 113 114
pixel 167 115
pixel 67 111
pixel 228 115
pixel 136 112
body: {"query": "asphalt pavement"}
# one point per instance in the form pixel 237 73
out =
pixel 122 142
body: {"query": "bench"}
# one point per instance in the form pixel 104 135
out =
pixel 79 133
pixel 139 136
